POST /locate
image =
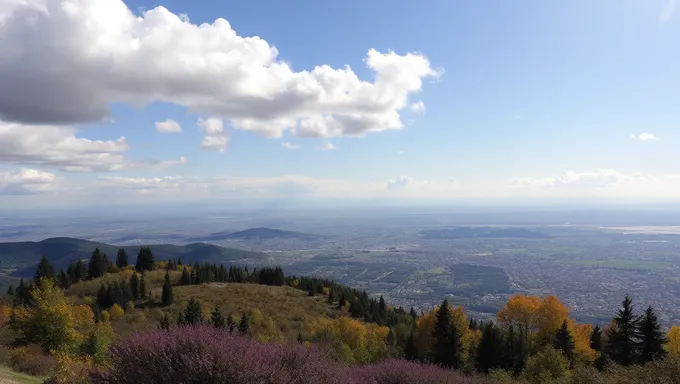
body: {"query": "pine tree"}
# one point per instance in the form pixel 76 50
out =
pixel 142 286
pixel 622 339
pixel 180 319
pixel 331 297
pixel 186 277
pixel 97 265
pixel 596 338
pixel 342 301
pixel 10 290
pixel 79 271
pixel 102 298
pixel 192 313
pixel 244 325
pixel 122 258
pixel 410 350
pixel 382 306
pixel 231 324
pixel 391 338
pixel 564 342
pixel 299 338
pixel 447 339
pixel 145 260
pixel 134 286
pixel 45 270
pixel 218 321
pixel 413 314
pixel 652 339
pixel 167 296
pixel 489 354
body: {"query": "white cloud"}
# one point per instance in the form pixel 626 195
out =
pixel 58 147
pixel 168 126
pixel 399 182
pixel 418 107
pixel 288 145
pixel 601 178
pixel 215 136
pixel 26 182
pixel 667 12
pixel 66 61
pixel 325 146
pixel 643 137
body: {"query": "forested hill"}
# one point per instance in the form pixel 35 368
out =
pixel 258 233
pixel 62 250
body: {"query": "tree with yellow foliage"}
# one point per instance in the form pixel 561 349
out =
pixel 521 312
pixel 425 340
pixel 51 321
pixel 354 342
pixel 673 345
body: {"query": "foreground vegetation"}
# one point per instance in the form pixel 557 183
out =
pixel 106 322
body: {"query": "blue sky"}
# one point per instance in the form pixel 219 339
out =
pixel 521 100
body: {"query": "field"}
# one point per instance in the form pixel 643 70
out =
pixel 8 376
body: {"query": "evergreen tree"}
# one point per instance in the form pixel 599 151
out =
pixel 166 296
pixel 446 350
pixel 142 286
pixel 341 302
pixel 413 314
pixel 652 339
pixel 596 338
pixel 186 277
pixel 97 266
pixel 391 338
pixel 410 350
pixel 218 321
pixel 145 260
pixel 102 298
pixel 122 258
pixel 180 319
pixel 622 339
pixel 564 342
pixel 192 313
pixel 21 294
pixel 10 290
pixel 382 306
pixel 299 338
pixel 231 324
pixel 489 354
pixel 311 291
pixel 244 325
pixel 331 297
pixel 45 270
pixel 79 271
pixel 165 322
pixel 134 286
pixel 179 262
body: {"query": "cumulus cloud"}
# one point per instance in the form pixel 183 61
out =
pixel 64 62
pixel 289 145
pixel 325 146
pixel 418 107
pixel 643 137
pixel 168 126
pixel 26 182
pixel 58 147
pixel 400 182
pixel 215 136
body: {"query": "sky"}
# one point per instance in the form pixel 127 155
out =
pixel 114 101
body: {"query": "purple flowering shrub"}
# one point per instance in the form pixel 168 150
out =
pixel 204 354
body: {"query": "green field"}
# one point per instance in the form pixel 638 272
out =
pixel 8 376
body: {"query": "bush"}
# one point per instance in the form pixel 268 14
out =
pixel 204 354
pixel 31 360
pixel 116 312
pixel 548 365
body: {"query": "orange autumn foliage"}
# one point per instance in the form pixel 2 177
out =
pixel 424 335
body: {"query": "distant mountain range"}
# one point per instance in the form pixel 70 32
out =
pixel 482 233
pixel 63 250
pixel 257 233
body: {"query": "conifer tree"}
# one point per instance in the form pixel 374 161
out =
pixel 391 338
pixel 79 271
pixel 45 270
pixel 652 339
pixel 446 350
pixel 97 265
pixel 186 277
pixel 102 298
pixel 596 338
pixel 489 354
pixel 179 262
pixel 299 338
pixel 231 324
pixel 342 301
pixel 134 286
pixel 145 260
pixel 622 339
pixel 413 314
pixel 218 321
pixel 244 324
pixel 331 297
pixel 311 291
pixel 142 286
pixel 167 296
pixel 410 350
pixel 192 313
pixel 180 319
pixel 382 306
pixel 10 290
pixel 122 258
pixel 564 342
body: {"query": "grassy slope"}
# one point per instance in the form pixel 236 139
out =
pixel 8 376
pixel 290 308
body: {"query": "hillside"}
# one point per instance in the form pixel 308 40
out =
pixel 258 233
pixel 63 250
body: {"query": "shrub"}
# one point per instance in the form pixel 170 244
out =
pixel 116 312
pixel 204 354
pixel 31 360
pixel 548 365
